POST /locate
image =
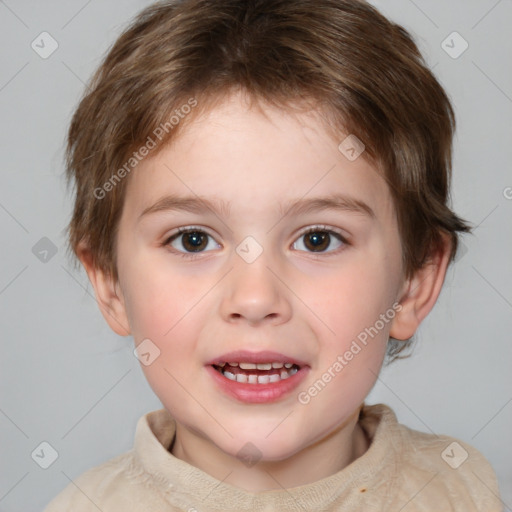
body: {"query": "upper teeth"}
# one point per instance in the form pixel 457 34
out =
pixel 259 366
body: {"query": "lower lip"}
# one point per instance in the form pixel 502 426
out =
pixel 258 393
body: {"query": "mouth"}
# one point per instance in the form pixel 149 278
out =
pixel 257 377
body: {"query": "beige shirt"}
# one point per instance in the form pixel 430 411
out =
pixel 403 470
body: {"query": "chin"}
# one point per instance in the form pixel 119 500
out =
pixel 261 449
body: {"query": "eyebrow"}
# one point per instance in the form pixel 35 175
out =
pixel 301 206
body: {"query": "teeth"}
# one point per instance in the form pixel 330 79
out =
pixel 263 379
pixel 253 378
pixel 247 366
pixel 241 377
pixel 260 366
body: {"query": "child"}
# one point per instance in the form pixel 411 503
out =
pixel 261 202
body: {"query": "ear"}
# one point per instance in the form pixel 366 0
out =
pixel 420 292
pixel 108 293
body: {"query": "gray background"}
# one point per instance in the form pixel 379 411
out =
pixel 68 380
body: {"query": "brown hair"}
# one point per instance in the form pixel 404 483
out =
pixel 342 57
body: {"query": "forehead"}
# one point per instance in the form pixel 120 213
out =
pixel 241 155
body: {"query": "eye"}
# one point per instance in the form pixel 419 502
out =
pixel 319 239
pixel 191 240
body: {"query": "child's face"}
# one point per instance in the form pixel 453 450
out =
pixel 308 306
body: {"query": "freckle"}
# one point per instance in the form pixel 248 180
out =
pixel 362 490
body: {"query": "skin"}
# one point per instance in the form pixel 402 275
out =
pixel 305 304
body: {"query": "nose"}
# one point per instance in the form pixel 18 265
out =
pixel 255 294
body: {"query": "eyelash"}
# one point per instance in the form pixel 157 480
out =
pixel 313 229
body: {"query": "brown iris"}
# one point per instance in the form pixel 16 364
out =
pixel 317 241
pixel 194 241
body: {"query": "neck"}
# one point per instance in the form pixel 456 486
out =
pixel 330 454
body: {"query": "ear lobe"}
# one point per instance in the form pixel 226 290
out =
pixel 420 293
pixel 108 293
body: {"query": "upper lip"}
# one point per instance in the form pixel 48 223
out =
pixel 266 356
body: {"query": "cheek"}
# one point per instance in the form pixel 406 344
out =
pixel 353 299
pixel 166 308
pixel 158 299
pixel 165 311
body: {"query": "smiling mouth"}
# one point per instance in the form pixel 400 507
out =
pixel 257 373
